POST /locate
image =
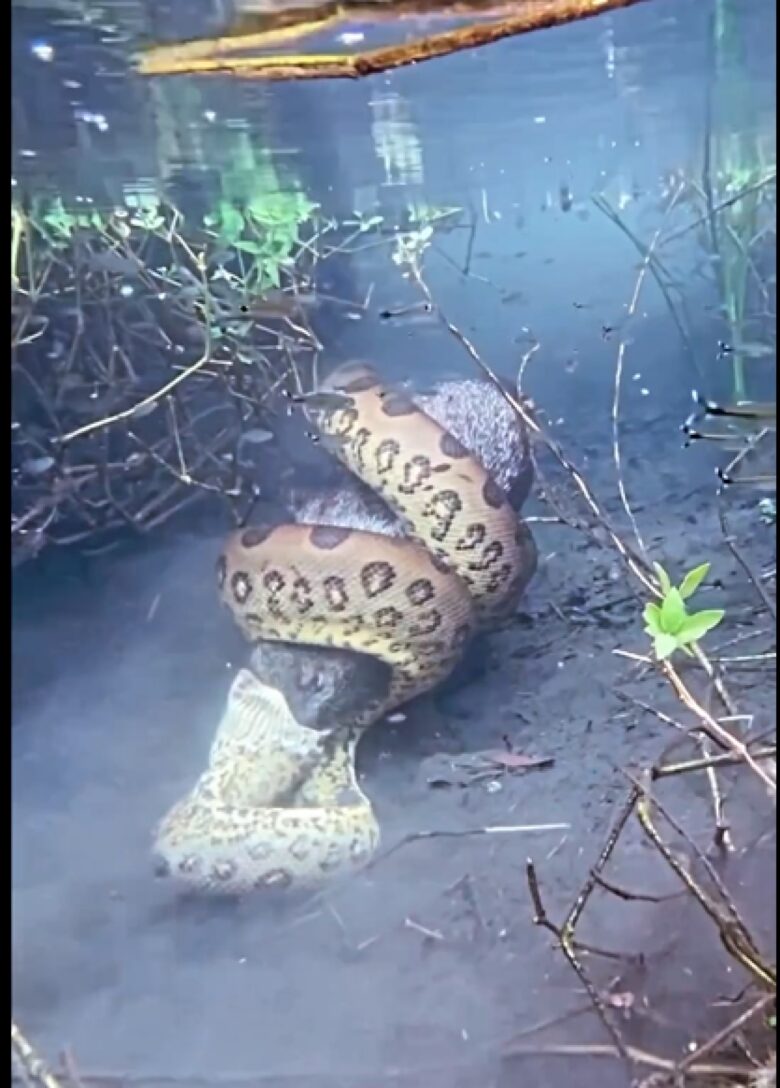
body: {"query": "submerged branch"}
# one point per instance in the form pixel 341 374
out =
pixel 537 16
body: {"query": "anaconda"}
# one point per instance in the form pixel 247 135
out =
pixel 446 556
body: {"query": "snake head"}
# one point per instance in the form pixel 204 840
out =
pixel 325 688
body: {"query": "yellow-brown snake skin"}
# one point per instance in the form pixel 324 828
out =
pixel 279 804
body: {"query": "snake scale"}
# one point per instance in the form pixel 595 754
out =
pixel 279 804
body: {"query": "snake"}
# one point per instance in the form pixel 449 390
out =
pixel 279 804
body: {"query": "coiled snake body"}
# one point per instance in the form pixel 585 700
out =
pixel 279 804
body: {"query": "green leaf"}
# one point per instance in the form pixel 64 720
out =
pixel 673 614
pixel 231 222
pixel 693 580
pixel 663 578
pixel 697 625
pixel 652 617
pixel 664 645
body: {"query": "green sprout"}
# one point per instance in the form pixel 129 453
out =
pixel 670 625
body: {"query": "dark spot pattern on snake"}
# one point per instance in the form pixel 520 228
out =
pixel 398 404
pixel 359 448
pixel 255 535
pixel 451 447
pixel 330 861
pixel 376 578
pixel 430 647
pixel 492 494
pixel 342 421
pixel 274 581
pixel 222 871
pixel 221 571
pixel 498 578
pixel 241 585
pixel 385 456
pixel 335 593
pixel 302 595
pixel 388 618
pixel 523 534
pixel 439 563
pixel 420 591
pixel 353 625
pixel 490 555
pixel 300 847
pixel 426 623
pixel 416 473
pixel 361 384
pixel 328 537
pixel 472 538
pixel 442 510
pixel 273 602
pixel 189 864
pixel 274 878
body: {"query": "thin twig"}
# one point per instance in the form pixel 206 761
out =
pixel 618 381
pixel 733 932
pixel 640 897
pixel 30 1061
pixel 566 934
pixel 419 836
pixel 720 1038
pixel 723 759
pixel 541 918
pixel 712 727
pixel 634 563
pixel 756 583
pixel 636 1054
pixel 542 14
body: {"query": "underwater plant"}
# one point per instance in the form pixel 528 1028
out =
pixel 143 349
pixel 738 198
pixel 670 625
pixel 257 215
pixel 147 340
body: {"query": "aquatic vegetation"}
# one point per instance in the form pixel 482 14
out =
pixel 737 195
pixel 727 205
pixel 144 348
pixel 268 230
pixel 670 625
pixel 258 215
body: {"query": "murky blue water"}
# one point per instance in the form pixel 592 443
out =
pixel 546 164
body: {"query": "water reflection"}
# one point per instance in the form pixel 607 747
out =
pixel 511 190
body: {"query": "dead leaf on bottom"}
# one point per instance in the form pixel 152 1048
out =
pixel 481 766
